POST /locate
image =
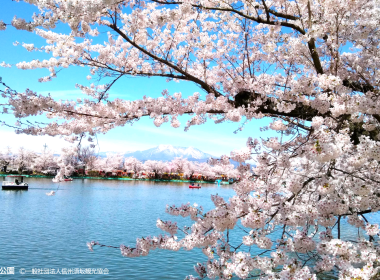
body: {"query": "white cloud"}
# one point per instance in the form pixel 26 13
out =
pixel 34 143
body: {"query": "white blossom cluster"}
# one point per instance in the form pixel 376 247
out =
pixel 313 67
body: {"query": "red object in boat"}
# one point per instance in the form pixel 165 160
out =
pixel 194 187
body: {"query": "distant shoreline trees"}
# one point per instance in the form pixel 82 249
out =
pixel 83 161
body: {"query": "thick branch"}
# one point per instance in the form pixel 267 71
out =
pixel 358 86
pixel 204 85
pixel 315 56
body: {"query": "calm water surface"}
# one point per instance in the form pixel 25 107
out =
pixel 40 231
pixel 51 232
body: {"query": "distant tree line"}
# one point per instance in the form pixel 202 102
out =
pixel 84 161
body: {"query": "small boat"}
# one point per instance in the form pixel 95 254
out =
pixel 14 182
pixel 194 187
pixel 67 179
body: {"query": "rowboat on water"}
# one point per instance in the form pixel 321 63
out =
pixel 195 187
pixel 67 179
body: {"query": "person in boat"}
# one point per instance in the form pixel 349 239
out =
pixel 198 185
pixel 17 182
pixel 192 184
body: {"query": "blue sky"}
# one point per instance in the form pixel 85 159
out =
pixel 214 139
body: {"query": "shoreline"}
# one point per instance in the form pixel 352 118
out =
pixel 123 179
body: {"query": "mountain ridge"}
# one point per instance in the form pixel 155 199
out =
pixel 169 152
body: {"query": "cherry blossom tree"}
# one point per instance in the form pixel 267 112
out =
pixel 67 161
pixel 6 158
pixel 134 165
pixel 24 159
pixel 206 170
pixel 154 166
pixel 310 66
pixel 86 155
pixel 192 168
pixel 180 165
pixel 110 163
pixel 228 170
pixel 43 161
pixel 169 169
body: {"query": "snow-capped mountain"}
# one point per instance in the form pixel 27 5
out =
pixel 169 152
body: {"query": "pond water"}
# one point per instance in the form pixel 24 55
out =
pixel 50 232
